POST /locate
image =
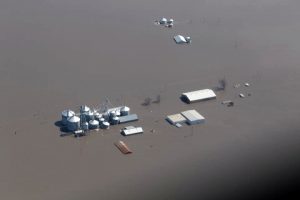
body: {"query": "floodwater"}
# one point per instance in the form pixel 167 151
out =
pixel 59 54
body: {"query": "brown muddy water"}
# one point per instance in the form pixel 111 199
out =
pixel 57 54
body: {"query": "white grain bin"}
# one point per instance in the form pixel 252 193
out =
pixel 115 120
pixel 93 124
pixel 163 20
pixel 101 120
pixel 125 111
pixel 112 114
pixel 65 115
pixel 105 125
pixel 97 115
pixel 73 123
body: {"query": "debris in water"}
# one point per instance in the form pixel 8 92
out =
pixel 237 85
pixel 123 147
pixel 247 84
pixel 242 95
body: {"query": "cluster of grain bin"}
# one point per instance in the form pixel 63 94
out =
pixel 89 119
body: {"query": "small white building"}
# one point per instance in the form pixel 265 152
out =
pixel 179 39
pixel 176 118
pixel 199 95
pixel 131 130
pixel 193 117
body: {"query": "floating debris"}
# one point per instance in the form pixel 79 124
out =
pixel 241 95
pixel 178 125
pixel 179 39
pixel 247 84
pixel 237 85
pixel 229 103
pixel 123 147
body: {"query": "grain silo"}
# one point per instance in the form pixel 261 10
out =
pixel 125 111
pixel 101 120
pixel 73 123
pixel 112 114
pixel 105 125
pixel 93 124
pixel 115 120
pixel 65 115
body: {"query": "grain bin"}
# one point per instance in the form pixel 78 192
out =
pixel 65 115
pixel 105 125
pixel 125 111
pixel 93 124
pixel 73 123
pixel 115 120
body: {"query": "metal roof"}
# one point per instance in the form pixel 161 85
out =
pixel 123 147
pixel 128 118
pixel 132 131
pixel 74 119
pixel 192 115
pixel 125 108
pixel 199 95
pixel 179 39
pixel 176 118
pixel 94 122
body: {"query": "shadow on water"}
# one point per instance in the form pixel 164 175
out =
pixel 63 129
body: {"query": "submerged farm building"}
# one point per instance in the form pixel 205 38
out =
pixel 199 95
pixel 193 117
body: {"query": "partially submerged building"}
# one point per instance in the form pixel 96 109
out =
pixel 193 117
pixel 179 39
pixel 131 130
pixel 128 118
pixel 199 95
pixel 176 119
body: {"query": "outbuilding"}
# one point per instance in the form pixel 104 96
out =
pixel 179 39
pixel 131 130
pixel 176 118
pixel 128 118
pixel 193 117
pixel 199 95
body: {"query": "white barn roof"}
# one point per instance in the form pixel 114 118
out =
pixel 193 117
pixel 179 39
pixel 198 95
pixel 176 118
pixel 132 131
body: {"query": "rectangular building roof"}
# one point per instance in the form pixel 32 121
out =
pixel 123 147
pixel 176 118
pixel 179 39
pixel 132 131
pixel 128 118
pixel 192 116
pixel 199 95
